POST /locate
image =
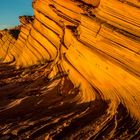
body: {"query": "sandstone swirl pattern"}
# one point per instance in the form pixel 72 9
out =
pixel 72 72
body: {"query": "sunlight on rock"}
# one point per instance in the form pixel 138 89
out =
pixel 72 71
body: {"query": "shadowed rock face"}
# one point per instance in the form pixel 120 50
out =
pixel 26 19
pixel 72 72
pixel 14 33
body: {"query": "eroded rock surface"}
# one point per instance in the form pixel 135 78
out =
pixel 72 72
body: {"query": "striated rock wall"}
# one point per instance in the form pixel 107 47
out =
pixel 97 43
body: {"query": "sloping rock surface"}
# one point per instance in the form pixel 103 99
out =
pixel 72 71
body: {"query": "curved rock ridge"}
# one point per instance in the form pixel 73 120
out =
pixel 72 71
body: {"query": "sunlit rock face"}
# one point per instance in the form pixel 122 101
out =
pixel 72 72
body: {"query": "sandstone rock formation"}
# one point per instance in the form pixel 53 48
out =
pixel 72 71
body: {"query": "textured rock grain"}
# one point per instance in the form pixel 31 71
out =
pixel 72 71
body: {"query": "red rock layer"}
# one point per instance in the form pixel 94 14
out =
pixel 78 71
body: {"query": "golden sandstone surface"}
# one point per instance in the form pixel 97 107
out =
pixel 72 72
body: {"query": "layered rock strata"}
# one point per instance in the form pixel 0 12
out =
pixel 91 53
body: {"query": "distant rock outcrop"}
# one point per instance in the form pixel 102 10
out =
pixel 97 45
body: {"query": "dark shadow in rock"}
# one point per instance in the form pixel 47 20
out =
pixel 14 33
